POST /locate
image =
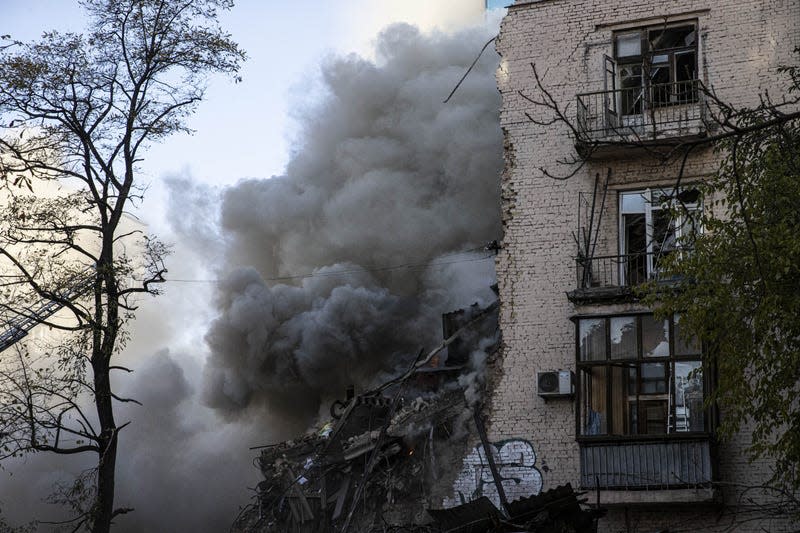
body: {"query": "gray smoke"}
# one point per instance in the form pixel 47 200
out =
pixel 383 175
pixel 387 200
pixel 181 469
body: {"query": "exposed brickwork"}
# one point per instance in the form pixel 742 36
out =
pixel 742 43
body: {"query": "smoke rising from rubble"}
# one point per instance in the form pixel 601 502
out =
pixel 384 175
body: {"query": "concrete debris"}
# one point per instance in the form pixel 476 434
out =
pixel 385 456
pixel 554 511
pixel 388 458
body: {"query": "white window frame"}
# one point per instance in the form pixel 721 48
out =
pixel 649 195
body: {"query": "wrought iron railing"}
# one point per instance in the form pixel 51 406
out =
pixel 657 110
pixel 627 270
pixel 646 465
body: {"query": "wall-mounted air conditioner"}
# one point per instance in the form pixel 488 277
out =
pixel 555 384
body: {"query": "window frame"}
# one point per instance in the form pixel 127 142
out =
pixel 645 61
pixel 679 230
pixel 709 415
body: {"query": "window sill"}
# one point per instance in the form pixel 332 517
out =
pixel 602 295
pixel 588 440
pixel 626 498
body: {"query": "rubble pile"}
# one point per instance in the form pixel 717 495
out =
pixel 387 459
pixel 377 465
pixel 557 510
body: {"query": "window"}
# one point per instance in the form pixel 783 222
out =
pixel 649 230
pixel 656 66
pixel 637 375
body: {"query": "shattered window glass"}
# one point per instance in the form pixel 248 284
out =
pixel 657 66
pixel 592 339
pixel 651 383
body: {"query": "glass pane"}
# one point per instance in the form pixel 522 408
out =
pixel 623 400
pixel 664 237
pixel 654 378
pixel 629 45
pixel 594 416
pixel 684 346
pixel 633 202
pixel 652 417
pixel 635 248
pixel 675 37
pixel 592 334
pixel 685 74
pixel 623 337
pixel 689 227
pixel 663 230
pixel 655 337
pixel 689 412
pixel 635 234
pixel 630 83
pixel 660 87
pixel 685 67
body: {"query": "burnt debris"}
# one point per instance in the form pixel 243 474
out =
pixel 388 458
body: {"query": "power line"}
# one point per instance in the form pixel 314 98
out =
pixel 408 266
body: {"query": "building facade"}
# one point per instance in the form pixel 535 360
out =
pixel 585 221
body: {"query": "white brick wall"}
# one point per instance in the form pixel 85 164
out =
pixel 742 42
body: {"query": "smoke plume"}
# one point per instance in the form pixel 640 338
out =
pixel 388 199
pixel 387 196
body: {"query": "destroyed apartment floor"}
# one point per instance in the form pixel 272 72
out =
pixel 312 483
pixel 387 480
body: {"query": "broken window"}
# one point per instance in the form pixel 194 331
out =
pixel 637 375
pixel 656 66
pixel 650 230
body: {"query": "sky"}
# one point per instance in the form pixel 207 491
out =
pixel 243 130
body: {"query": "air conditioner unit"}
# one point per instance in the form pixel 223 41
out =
pixel 554 384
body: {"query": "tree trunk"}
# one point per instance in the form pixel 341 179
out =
pixel 105 487
pixel 106 470
pixel 103 349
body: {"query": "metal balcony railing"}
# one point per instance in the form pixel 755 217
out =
pixel 646 465
pixel 654 111
pixel 628 270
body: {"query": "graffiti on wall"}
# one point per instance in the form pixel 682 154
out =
pixel 515 461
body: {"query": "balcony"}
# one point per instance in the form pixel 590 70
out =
pixel 666 471
pixel 611 122
pixel 611 278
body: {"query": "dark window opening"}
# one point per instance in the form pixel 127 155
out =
pixel 657 66
pixel 650 230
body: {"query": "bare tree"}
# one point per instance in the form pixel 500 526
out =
pixel 81 110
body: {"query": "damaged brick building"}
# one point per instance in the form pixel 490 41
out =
pixel 587 389
pixel 609 396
